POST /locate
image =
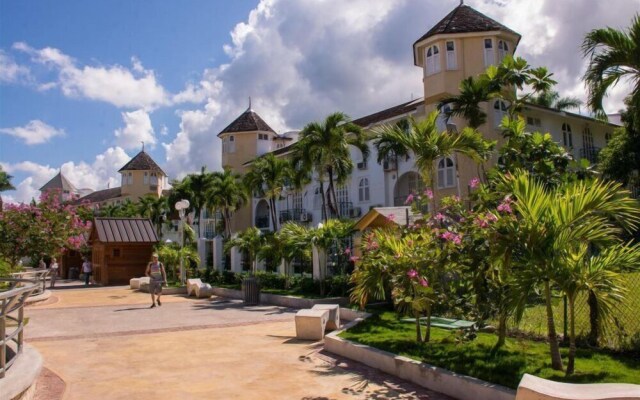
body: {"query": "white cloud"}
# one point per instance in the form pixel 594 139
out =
pixel 10 71
pixel 137 129
pixel 97 175
pixel 35 132
pixel 113 84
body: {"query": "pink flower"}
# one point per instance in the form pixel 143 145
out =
pixel 347 251
pixel 451 237
pixel 505 207
pixel 354 258
pixel 391 217
pixel 412 273
pixel 424 282
pixel 481 223
pixel 474 183
pixel 429 193
pixel 439 217
pixel 409 199
pixel 491 217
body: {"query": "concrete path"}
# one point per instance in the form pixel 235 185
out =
pixel 103 348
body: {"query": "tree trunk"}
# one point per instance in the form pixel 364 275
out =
pixel 502 330
pixel 418 328
pixel 594 312
pixel 332 193
pixel 324 202
pixel 554 348
pixel 572 336
pixel 427 335
pixel 274 216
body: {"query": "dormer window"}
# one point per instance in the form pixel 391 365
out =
pixel 263 136
pixel 489 58
pixel 451 55
pixel 433 60
pixel 503 49
pixel 130 179
pixel 229 144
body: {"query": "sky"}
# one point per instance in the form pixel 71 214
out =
pixel 84 83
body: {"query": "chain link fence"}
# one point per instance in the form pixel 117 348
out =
pixel 623 333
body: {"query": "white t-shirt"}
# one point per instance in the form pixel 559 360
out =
pixel 86 266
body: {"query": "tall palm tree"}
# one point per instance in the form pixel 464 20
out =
pixel 551 222
pixel 227 194
pixel 5 184
pixel 552 99
pixel 249 241
pixel 613 55
pixel 324 148
pixel 269 174
pixel 154 208
pixel 467 103
pixel 195 188
pixel 599 276
pixel 423 139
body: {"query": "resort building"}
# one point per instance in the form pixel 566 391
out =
pixel 463 44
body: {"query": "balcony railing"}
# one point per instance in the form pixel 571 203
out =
pixel 38 276
pixel 12 299
pixel 590 153
pixel 295 214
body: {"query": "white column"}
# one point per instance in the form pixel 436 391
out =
pixel 218 253
pixel 202 252
pixel 319 257
pixel 236 260
pixel 282 267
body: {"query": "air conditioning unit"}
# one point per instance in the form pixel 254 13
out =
pixel 355 212
pixel 362 165
pixel 305 217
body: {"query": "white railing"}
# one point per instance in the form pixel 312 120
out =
pixel 13 293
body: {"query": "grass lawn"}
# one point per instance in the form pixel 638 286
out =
pixel 535 318
pixel 385 331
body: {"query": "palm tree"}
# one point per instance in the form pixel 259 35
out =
pixel 467 103
pixel 552 99
pixel 269 175
pixel 172 254
pixel 599 276
pixel 552 221
pixel 227 194
pixel 613 55
pixel 293 243
pixel 154 208
pixel 5 184
pixel 427 144
pixel 195 187
pixel 249 241
pixel 324 147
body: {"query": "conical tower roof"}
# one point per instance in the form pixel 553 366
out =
pixel 248 121
pixel 59 182
pixel 464 19
pixel 142 162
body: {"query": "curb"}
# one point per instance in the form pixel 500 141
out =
pixel 440 380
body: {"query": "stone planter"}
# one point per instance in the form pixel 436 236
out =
pixel 251 291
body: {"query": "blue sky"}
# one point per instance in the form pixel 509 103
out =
pixel 83 82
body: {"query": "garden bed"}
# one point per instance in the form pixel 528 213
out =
pixel 385 331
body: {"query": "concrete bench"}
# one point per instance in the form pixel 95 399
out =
pixel 534 388
pixel 199 289
pixel 310 324
pixel 134 283
pixel 334 315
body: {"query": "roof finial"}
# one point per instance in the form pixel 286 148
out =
pixel 142 141
pixel 461 2
pixel 249 103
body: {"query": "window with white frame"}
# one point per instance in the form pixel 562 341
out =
pixel 363 190
pixel 534 122
pixel 452 62
pixel 229 144
pixel 146 178
pixel 587 138
pixel 607 137
pixel 433 60
pixel 446 173
pixel 342 193
pixel 503 50
pixel 154 178
pixel 567 138
pixel 130 179
pixel 263 136
pixel 489 58
pixel 123 179
pixel 297 200
pixel 317 198
pixel 499 111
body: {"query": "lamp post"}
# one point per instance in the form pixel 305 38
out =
pixel 181 207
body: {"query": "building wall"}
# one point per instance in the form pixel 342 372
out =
pixel 135 184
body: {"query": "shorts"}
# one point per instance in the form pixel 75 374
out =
pixel 155 286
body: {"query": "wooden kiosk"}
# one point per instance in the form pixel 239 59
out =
pixel 121 249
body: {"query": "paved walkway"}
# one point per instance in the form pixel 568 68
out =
pixel 105 343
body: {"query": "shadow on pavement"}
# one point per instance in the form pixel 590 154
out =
pixel 239 305
pixel 146 307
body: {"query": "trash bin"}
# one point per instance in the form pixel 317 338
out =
pixel 251 291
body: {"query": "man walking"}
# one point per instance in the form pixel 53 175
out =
pixel 87 270
pixel 157 276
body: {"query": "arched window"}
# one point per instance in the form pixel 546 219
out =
pixel 489 58
pixel 317 198
pixel 503 49
pixel 446 173
pixel 587 138
pixel 363 190
pixel 432 60
pixel 499 111
pixel 567 138
pixel 452 62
